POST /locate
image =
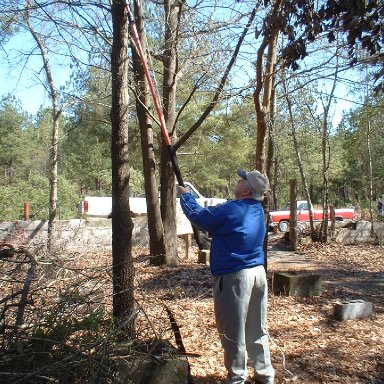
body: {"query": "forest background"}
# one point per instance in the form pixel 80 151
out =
pixel 78 43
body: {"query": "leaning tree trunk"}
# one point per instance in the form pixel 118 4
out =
pixel 155 224
pixel 169 89
pixel 122 226
pixel 53 179
pixel 54 139
pixel 168 191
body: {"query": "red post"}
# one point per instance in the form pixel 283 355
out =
pixel 26 211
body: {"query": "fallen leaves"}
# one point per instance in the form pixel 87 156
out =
pixel 307 344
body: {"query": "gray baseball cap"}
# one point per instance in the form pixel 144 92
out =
pixel 258 182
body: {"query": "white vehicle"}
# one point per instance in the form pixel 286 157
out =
pixel 101 206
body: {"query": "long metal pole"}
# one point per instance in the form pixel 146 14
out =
pixel 164 131
pixel 172 153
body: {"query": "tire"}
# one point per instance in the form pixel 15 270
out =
pixel 283 226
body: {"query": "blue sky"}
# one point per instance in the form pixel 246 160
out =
pixel 25 82
pixel 32 96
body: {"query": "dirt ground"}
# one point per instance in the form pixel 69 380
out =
pixel 308 345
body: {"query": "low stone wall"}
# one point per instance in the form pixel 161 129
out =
pixel 93 234
pixel 361 233
pixel 96 234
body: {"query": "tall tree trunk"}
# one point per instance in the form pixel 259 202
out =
pixel 53 171
pixel 122 226
pixel 263 89
pixel 325 152
pixel 293 238
pixel 325 162
pixel 168 192
pixel 155 225
pixel 271 134
pixel 327 149
pixel 298 157
pixel 370 175
pixel 276 182
pixel 53 176
pixel 264 84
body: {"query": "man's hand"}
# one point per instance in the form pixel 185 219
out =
pixel 181 190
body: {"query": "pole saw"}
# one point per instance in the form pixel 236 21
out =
pixel 164 131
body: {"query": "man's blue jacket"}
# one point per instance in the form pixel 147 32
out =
pixel 237 229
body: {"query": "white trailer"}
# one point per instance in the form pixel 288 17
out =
pixel 101 206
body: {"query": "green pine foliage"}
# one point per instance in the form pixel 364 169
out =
pixel 208 159
pixel 353 137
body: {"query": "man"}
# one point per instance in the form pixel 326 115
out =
pixel 240 287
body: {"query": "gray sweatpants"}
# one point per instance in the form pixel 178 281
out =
pixel 240 301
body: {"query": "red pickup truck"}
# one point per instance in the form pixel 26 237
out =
pixel 280 219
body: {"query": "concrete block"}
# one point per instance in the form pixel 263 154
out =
pixel 304 285
pixel 352 309
pixel 203 256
